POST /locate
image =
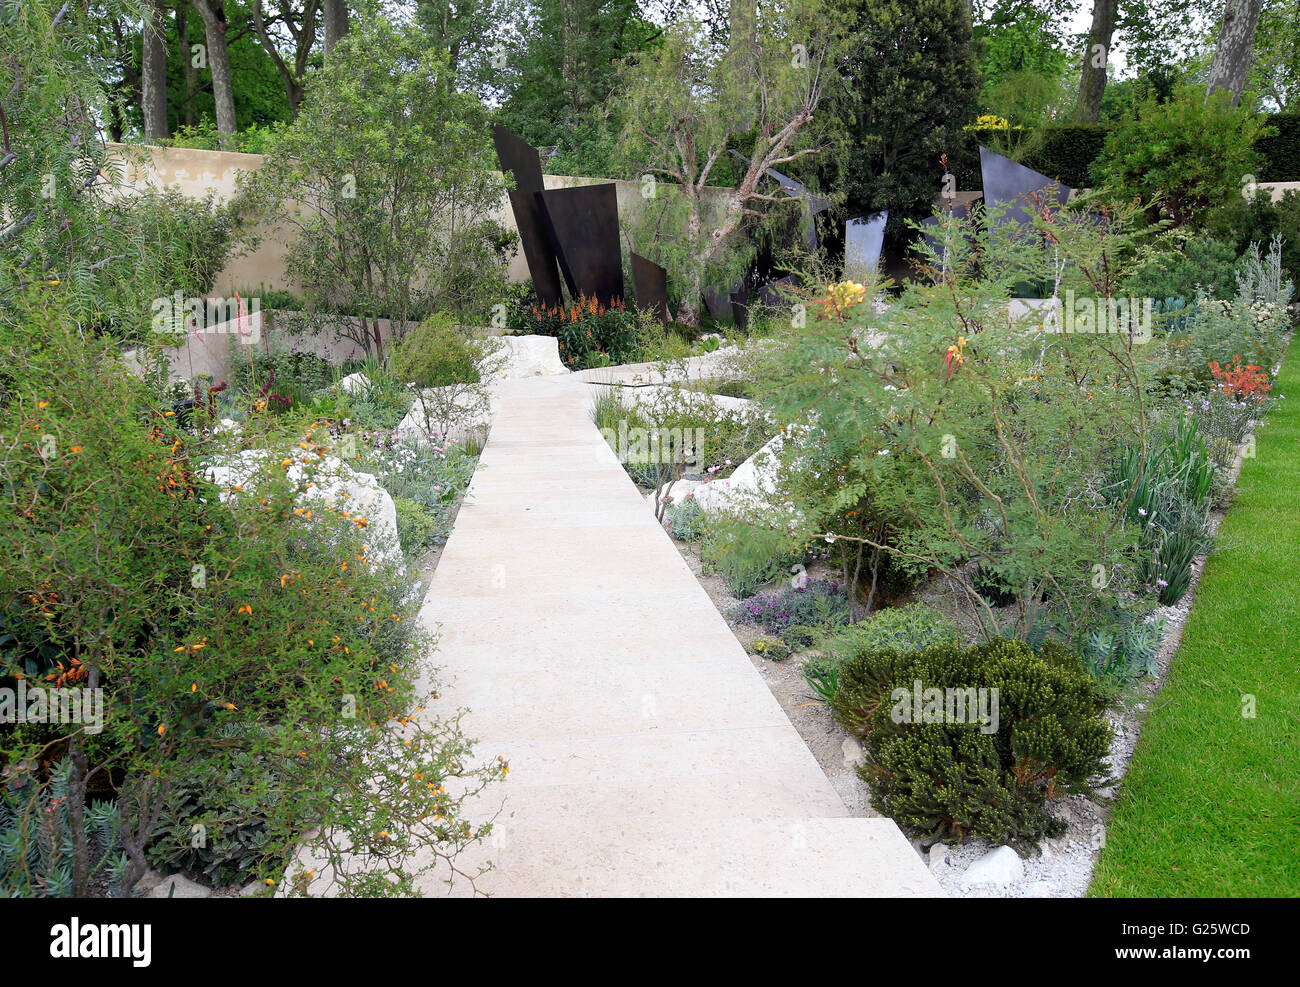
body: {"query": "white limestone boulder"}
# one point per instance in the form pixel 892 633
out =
pixel 530 356
pixel 357 383
pixel 999 866
pixel 751 486
pixel 335 484
pixel 179 886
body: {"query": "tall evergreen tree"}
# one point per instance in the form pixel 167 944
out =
pixel 909 86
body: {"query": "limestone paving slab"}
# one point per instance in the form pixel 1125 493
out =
pixel 647 756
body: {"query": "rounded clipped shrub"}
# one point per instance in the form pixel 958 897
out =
pixel 963 743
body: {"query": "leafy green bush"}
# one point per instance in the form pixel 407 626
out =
pixel 744 556
pixel 439 353
pixel 946 773
pixel 418 527
pixel 935 450
pixel 1179 264
pixel 914 627
pixel 450 367
pixel 1182 157
pixel 216 826
pixel 1243 221
pixel 203 136
pixel 220 623
pixel 686 519
pixel 1250 328
pixel 911 628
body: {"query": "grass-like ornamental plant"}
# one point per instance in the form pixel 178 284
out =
pixel 966 743
pixel 1167 490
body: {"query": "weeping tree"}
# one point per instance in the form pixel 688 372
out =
pixel 691 100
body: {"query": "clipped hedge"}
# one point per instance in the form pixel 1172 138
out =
pixel 1067 152
pixel 1064 152
pixel 1280 154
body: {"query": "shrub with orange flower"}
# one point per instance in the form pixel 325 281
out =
pixel 1249 383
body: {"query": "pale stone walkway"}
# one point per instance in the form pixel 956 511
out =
pixel 647 756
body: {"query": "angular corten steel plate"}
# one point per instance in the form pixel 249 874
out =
pixel 582 223
pixel 520 159
pixel 651 284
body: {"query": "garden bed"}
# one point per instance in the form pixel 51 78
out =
pixel 1063 865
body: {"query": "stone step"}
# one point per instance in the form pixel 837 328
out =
pixel 617 857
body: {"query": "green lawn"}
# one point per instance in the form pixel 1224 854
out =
pixel 1211 803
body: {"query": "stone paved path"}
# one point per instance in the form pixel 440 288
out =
pixel 647 755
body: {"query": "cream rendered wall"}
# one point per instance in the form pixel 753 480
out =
pixel 196 173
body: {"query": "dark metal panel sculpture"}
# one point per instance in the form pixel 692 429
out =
pixel 863 241
pixel 740 306
pixel 1009 184
pixel 717 299
pixel 651 284
pixel 770 294
pixel 521 160
pixel 812 204
pixel 959 210
pixel 582 223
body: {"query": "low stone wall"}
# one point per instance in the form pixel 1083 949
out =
pixel 213 350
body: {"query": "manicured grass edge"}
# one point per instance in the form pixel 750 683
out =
pixel 1210 806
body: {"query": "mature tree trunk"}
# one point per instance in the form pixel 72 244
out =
pixel 191 74
pixel 153 87
pixel 1235 49
pixel 127 91
pixel 302 29
pixel 1092 83
pixel 218 54
pixel 336 23
pixel 570 21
